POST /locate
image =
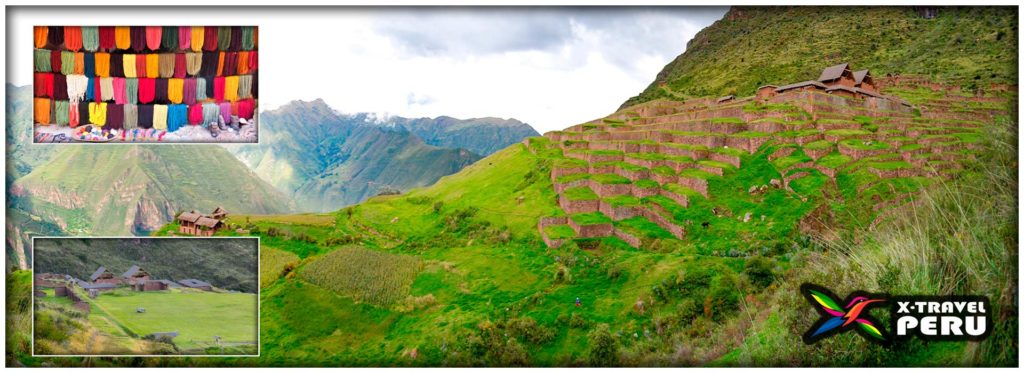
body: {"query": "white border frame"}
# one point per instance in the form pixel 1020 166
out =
pixel 259 291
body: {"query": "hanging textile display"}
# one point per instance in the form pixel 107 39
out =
pixel 145 78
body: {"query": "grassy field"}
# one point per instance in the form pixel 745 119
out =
pixel 196 316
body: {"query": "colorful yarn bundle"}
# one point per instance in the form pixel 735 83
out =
pixel 98 113
pixel 131 90
pixel 165 65
pixel 180 63
pixel 175 90
pixel 131 116
pixel 160 117
pixel 88 64
pixel 41 110
pixel 128 65
pixel 154 35
pixel 122 37
pixel 116 75
pixel 73 38
pixel 120 94
pixel 177 116
pixel 115 116
pixel 90 38
pixel 198 33
pixel 211 113
pixel 106 89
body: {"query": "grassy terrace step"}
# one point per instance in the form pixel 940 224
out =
pixel 600 178
pixel 559 231
pixel 643 228
pixel 590 218
pixel 580 193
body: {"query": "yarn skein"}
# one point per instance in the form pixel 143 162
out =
pixel 198 39
pixel 122 37
pixel 131 90
pixel 90 38
pixel 73 38
pixel 154 35
pixel 138 38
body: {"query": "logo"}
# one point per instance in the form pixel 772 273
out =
pixel 836 319
pixel 930 318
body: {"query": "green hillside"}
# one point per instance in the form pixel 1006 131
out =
pixel 227 264
pixel 327 160
pixel 119 190
pixel 754 46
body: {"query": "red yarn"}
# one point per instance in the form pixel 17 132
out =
pixel 179 65
pixel 107 41
pixel 195 114
pixel 147 90
pixel 42 84
pixel 210 39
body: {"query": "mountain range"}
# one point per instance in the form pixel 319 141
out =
pixel 326 160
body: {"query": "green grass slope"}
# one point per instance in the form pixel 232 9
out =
pixel 753 46
pixel 118 190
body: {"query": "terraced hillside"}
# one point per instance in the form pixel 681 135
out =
pixel 668 169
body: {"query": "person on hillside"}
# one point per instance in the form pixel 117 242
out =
pixel 578 302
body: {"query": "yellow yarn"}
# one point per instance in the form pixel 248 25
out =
pixel 129 66
pixel 231 88
pixel 175 89
pixel 123 37
pixel 198 34
pixel 98 113
pixel 152 65
pixel 160 117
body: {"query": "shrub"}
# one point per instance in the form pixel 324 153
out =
pixel 759 271
pixel 604 349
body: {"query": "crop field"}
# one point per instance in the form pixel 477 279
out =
pixel 365 275
pixel 196 316
pixel 273 263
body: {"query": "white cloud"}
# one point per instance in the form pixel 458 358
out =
pixel 549 67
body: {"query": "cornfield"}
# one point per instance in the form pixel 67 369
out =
pixel 369 276
pixel 273 263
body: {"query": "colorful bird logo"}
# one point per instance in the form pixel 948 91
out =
pixel 836 319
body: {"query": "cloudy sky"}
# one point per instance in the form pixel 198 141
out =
pixel 549 67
